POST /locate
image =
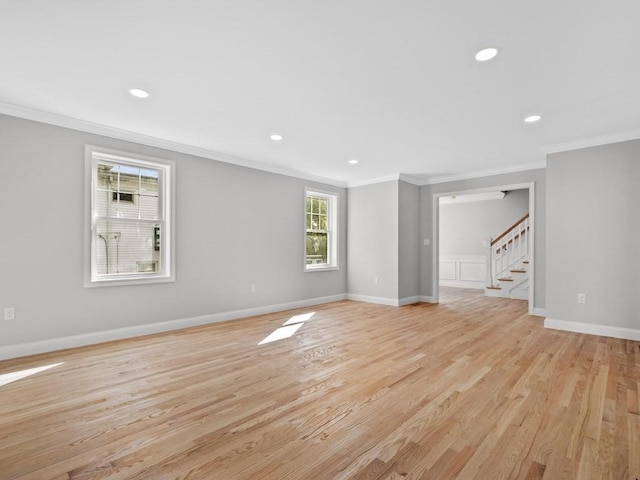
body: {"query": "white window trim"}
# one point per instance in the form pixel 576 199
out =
pixel 332 237
pixel 167 201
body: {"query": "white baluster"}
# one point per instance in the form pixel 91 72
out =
pixel 509 254
pixel 494 265
pixel 491 261
pixel 526 226
pixel 520 246
pixel 498 259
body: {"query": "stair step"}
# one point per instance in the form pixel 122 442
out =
pixel 505 279
pixel 493 288
pixel 519 270
pixel 525 261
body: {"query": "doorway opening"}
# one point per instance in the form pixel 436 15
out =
pixel 476 261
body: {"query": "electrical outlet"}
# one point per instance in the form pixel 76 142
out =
pixel 253 288
pixel 376 280
pixel 427 241
pixel 9 313
pixel 582 298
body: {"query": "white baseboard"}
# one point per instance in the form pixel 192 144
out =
pixel 392 302
pixel 540 312
pixel 463 284
pixel 43 346
pixel 408 300
pixel 593 329
pixel 427 299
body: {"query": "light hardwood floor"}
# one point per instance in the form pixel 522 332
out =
pixel 473 388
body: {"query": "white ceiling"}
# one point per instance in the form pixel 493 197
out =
pixel 391 83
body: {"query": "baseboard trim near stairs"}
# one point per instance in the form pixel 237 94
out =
pixel 593 329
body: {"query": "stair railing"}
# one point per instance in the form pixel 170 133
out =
pixel 508 251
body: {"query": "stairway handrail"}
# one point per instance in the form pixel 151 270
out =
pixel 508 230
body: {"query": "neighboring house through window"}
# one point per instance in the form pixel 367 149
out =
pixel 130 225
pixel 321 239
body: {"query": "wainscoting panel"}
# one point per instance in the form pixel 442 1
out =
pixel 465 271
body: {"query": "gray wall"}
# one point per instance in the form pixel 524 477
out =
pixel 373 240
pixel 235 226
pixel 537 176
pixel 464 226
pixel 593 228
pixel 408 240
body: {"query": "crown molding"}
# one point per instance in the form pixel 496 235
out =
pixel 414 180
pixel 373 181
pixel 410 179
pixel 486 173
pixel 116 133
pixel 119 134
pixel 389 178
pixel 592 141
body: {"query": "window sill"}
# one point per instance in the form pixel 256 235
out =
pixel 128 280
pixel 321 268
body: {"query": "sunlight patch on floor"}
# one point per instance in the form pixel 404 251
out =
pixel 281 333
pixel 7 378
pixel 299 318
pixel 288 329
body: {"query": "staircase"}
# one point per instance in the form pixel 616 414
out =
pixel 508 260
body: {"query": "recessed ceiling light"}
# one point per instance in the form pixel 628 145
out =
pixel 138 92
pixel 533 118
pixel 486 54
pixel 277 137
pixel 353 162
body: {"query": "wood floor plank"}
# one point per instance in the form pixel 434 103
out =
pixel 472 388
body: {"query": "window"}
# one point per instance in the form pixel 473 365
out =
pixel 130 219
pixel 321 240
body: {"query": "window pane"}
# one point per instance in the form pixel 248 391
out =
pixel 124 247
pixel 316 248
pixel 308 221
pixel 315 208
pixel 315 222
pixel 148 204
pixel 323 222
pixel 308 204
pixel 125 191
pixel 323 206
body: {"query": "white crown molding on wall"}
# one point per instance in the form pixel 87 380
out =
pixel 111 132
pixel 592 142
pixel 409 179
pixel 486 173
pixel 450 178
pixel 374 181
